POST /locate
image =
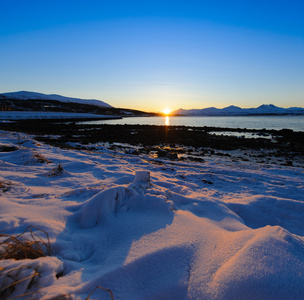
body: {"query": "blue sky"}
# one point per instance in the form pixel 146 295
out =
pixel 154 54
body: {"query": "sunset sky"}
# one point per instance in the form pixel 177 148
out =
pixel 150 55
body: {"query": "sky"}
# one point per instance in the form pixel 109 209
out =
pixel 149 55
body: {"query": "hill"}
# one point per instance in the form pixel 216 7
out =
pixel 24 95
pixel 34 102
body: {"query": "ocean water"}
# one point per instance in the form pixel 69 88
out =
pixel 295 123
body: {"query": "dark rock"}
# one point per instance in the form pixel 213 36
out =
pixel 207 181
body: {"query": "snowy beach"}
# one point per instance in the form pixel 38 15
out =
pixel 150 228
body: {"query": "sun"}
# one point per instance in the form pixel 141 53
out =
pixel 167 111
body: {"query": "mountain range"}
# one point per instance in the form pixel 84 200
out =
pixel 265 109
pixel 24 95
pixel 35 101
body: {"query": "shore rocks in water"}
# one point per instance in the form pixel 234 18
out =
pixel 166 153
pixel 168 141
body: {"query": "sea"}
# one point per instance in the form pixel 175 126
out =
pixel 294 122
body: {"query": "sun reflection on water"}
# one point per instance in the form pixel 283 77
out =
pixel 167 121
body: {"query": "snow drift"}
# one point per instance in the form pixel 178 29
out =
pixel 147 230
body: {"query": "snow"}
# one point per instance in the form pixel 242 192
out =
pixel 149 228
pixel 25 95
pixel 23 115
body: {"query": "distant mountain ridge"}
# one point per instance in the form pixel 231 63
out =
pixel 37 102
pixel 25 95
pixel 265 109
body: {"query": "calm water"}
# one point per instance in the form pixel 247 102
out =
pixel 251 122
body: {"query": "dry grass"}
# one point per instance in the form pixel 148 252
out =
pixel 40 158
pixel 19 247
pixel 5 185
pixel 101 288
pixel 23 277
pixel 61 297
pixel 57 171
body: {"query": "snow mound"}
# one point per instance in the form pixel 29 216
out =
pixel 260 211
pixel 102 206
pixel 258 265
pixel 106 205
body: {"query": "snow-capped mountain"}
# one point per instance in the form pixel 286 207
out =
pixel 24 95
pixel 265 109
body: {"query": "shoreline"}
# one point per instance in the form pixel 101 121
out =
pixel 285 147
pixel 295 123
pixel 16 116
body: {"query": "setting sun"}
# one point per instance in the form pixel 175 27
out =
pixel 167 111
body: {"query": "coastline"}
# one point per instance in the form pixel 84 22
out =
pixel 285 147
pixel 52 116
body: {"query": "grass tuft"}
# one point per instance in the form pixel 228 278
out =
pixel 101 288
pixel 40 158
pixel 5 185
pixel 19 247
pixel 22 281
pixel 18 280
pixel 57 171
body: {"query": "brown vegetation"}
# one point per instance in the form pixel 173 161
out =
pixel 101 288
pixel 19 247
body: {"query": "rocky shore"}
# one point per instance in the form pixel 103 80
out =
pixel 174 142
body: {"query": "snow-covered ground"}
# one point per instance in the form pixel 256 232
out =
pixel 23 115
pixel 149 228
